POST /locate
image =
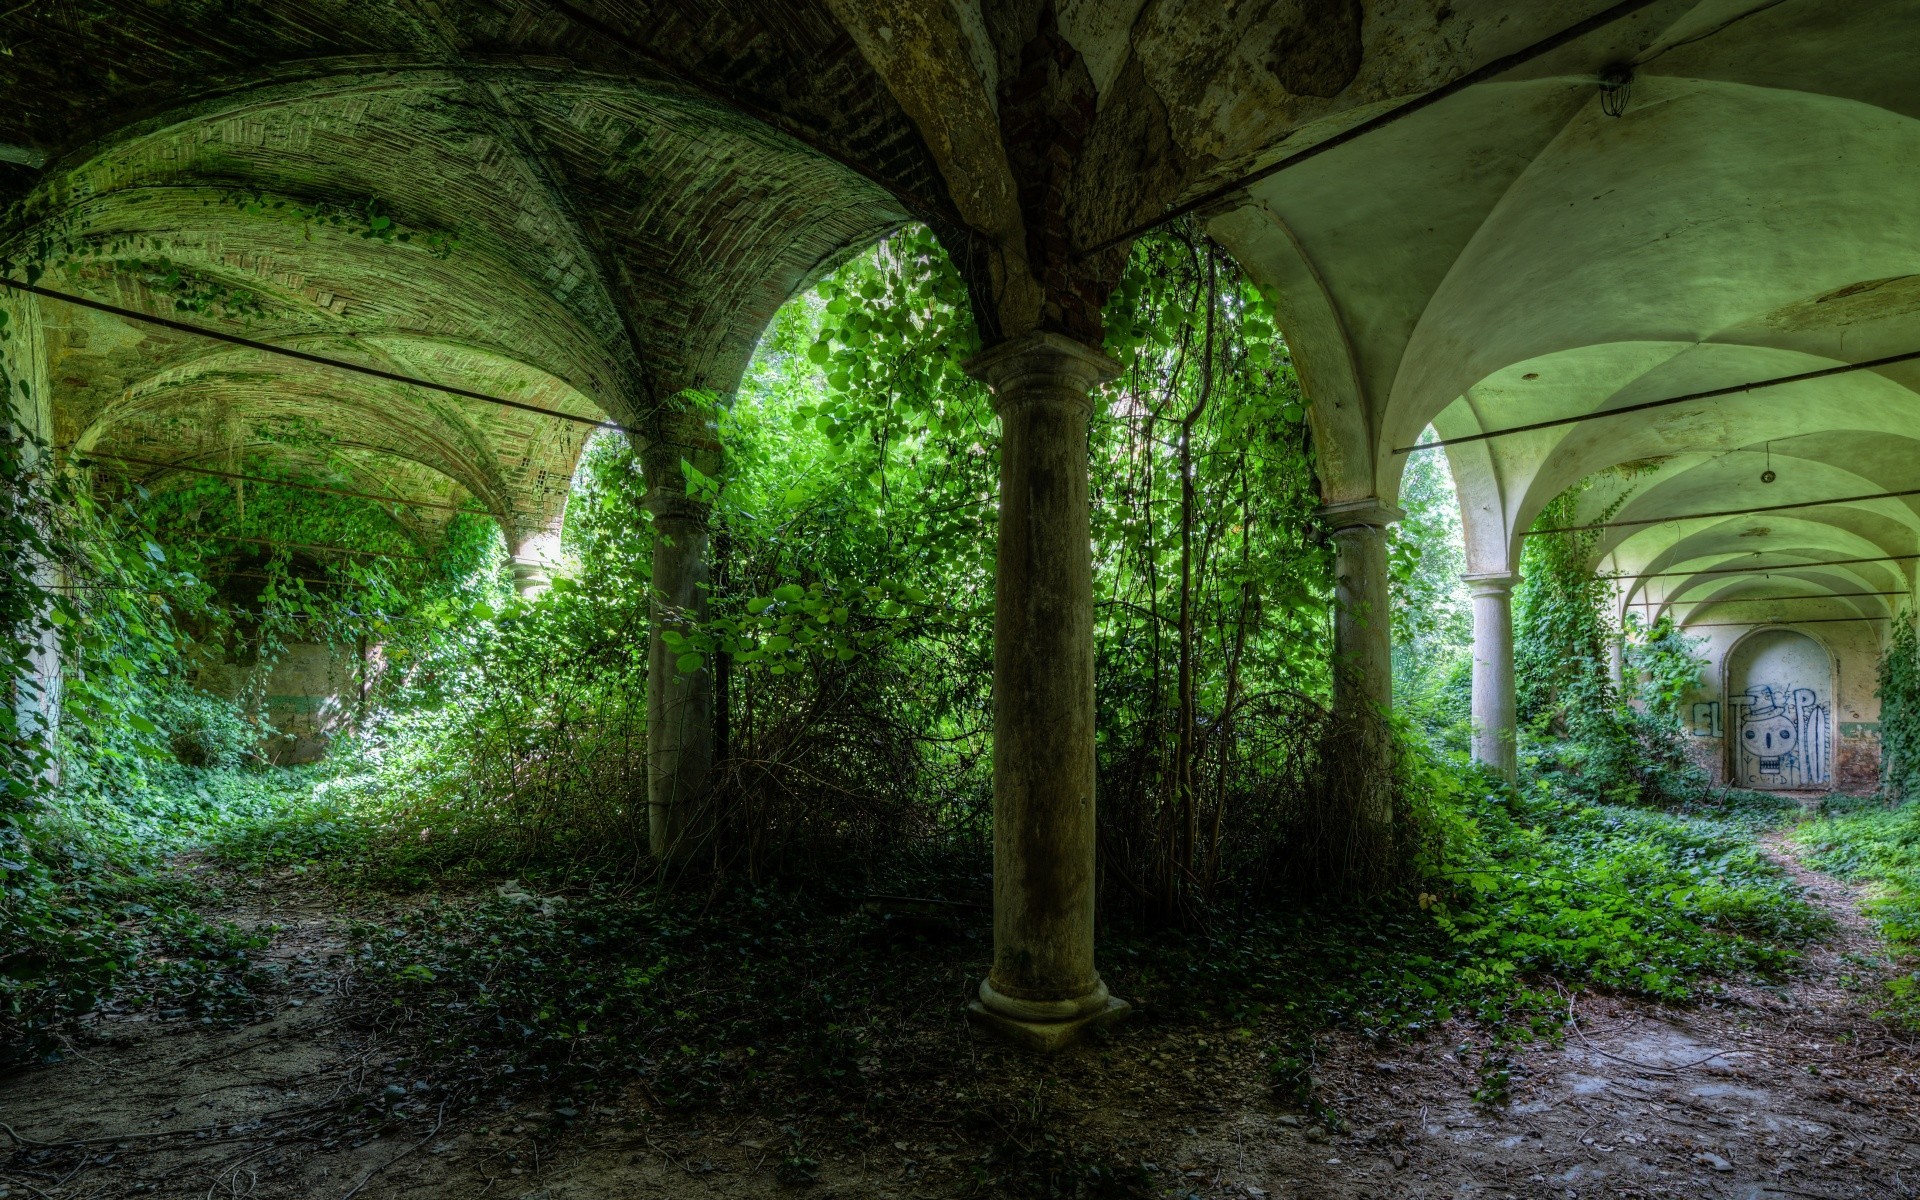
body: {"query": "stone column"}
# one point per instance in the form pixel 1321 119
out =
pixel 1617 662
pixel 1494 721
pixel 530 576
pixel 26 411
pixel 679 704
pixel 533 562
pixel 1043 990
pixel 1362 644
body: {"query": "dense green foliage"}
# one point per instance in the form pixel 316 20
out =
pixel 1432 616
pixel 848 622
pixel 850 612
pixel 1899 694
pixel 1581 729
pixel 1561 629
pixel 84 917
pixel 1880 846
pixel 1666 663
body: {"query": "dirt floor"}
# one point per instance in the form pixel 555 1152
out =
pixel 1766 1092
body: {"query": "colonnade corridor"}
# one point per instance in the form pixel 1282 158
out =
pixel 933 598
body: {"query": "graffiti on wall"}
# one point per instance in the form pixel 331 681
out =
pixel 1704 719
pixel 1780 737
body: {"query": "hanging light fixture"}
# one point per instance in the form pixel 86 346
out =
pixel 1616 85
pixel 1767 476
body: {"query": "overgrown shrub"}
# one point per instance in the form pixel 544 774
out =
pixel 1580 729
pixel 1284 789
pixel 1665 665
pixel 204 730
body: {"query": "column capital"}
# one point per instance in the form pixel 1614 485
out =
pixel 531 575
pixel 1491 583
pixel 1042 366
pixel 1369 512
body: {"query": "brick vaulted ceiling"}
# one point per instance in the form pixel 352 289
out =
pixel 585 208
pixel 594 204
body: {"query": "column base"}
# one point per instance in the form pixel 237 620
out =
pixel 1047 1036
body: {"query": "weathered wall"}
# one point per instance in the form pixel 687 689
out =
pixel 310 695
pixel 1853 647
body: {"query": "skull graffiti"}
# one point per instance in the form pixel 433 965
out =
pixel 1771 739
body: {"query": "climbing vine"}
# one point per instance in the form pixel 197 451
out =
pixel 1665 662
pixel 192 292
pixel 1900 710
pixel 1561 628
pixel 1585 734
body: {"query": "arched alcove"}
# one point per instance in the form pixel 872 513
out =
pixel 1781 685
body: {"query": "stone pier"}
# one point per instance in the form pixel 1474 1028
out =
pixel 1043 989
pixel 1494 722
pixel 1362 635
pixel 679 704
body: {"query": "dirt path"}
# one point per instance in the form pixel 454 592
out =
pixel 1791 1091
pixel 1766 1092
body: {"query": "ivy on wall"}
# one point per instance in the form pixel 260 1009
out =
pixel 1666 662
pixel 1900 710
pixel 370 219
pixel 1581 728
pixel 1562 633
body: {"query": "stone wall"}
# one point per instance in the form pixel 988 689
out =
pixel 310 695
pixel 1853 724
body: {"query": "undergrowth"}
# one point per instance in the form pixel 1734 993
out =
pixel 1868 842
pixel 97 922
pixel 732 997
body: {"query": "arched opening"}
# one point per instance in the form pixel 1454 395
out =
pixel 1781 685
pixel 1101 631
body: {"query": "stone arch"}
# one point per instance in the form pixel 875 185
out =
pixel 1780 709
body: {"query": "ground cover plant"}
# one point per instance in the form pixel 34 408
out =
pixel 87 917
pixel 1878 844
pixel 829 986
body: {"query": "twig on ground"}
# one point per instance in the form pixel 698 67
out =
pixel 438 1120
pixel 16 1181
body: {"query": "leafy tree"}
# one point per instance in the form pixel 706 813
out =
pixel 1432 616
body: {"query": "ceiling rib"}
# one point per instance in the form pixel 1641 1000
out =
pixel 1831 562
pixel 1782 621
pixel 1725 512
pixel 1780 599
pixel 1480 74
pixel 1709 394
pixel 921 207
pixel 302 355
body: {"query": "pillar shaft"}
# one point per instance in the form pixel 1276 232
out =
pixel 534 560
pixel 1363 649
pixel 1043 986
pixel 1494 722
pixel 1362 618
pixel 679 704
